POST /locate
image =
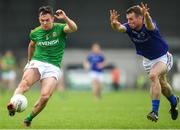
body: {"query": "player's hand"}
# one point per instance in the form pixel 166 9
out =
pixel 60 14
pixel 114 17
pixel 144 8
pixel 100 65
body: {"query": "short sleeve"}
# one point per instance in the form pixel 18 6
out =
pixel 156 27
pixel 127 27
pixel 31 36
pixel 61 27
pixel 102 58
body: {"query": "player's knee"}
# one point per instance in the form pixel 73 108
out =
pixel 153 76
pixel 45 97
pixel 163 83
pixel 163 89
pixel 24 84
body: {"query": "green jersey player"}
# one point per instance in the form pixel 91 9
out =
pixel 45 53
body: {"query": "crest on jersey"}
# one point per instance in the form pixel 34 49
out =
pixel 47 37
pixel 54 34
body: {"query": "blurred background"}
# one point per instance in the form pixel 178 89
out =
pixel 19 17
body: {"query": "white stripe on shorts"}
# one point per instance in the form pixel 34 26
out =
pixel 166 59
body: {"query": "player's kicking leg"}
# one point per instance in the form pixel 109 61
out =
pixel 29 78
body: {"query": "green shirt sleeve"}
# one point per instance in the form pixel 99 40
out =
pixel 31 36
pixel 61 27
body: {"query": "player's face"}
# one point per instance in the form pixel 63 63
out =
pixel 96 49
pixel 46 21
pixel 135 22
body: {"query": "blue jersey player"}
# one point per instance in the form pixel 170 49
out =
pixel 149 44
pixel 95 61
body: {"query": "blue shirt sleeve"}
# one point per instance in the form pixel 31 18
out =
pixel 156 27
pixel 102 58
pixel 128 29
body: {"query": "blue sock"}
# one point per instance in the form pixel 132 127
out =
pixel 155 105
pixel 172 99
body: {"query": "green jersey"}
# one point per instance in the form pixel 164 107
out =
pixel 49 44
pixel 8 63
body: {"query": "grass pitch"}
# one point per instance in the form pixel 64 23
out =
pixel 78 110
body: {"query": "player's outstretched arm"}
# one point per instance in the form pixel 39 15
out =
pixel 147 18
pixel 71 25
pixel 31 49
pixel 115 24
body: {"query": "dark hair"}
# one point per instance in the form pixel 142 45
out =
pixel 135 9
pixel 45 10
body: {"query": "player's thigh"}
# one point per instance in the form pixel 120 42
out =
pixel 31 76
pixel 163 80
pixel 158 69
pixel 60 83
pixel 60 80
pixel 48 86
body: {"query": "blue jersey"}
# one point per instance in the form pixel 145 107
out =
pixel 149 44
pixel 94 60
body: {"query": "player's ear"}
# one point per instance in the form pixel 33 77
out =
pixel 141 17
pixel 39 18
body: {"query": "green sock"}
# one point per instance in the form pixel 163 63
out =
pixel 29 117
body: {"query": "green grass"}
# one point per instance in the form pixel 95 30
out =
pixel 124 109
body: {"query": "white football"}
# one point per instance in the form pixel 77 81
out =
pixel 20 102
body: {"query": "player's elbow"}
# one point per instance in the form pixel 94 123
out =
pixel 70 29
pixel 120 29
pixel 75 28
